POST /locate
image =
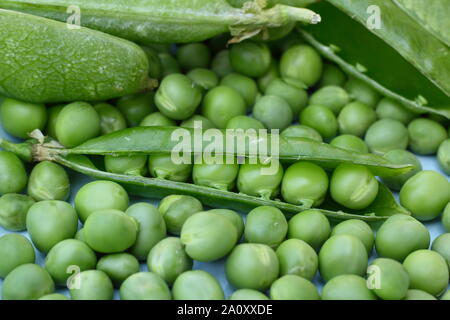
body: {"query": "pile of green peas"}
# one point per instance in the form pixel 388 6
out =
pixel 249 85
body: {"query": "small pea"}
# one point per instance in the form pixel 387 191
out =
pixel 245 123
pixel 386 135
pixel 298 258
pixel 234 217
pixel 169 64
pixel 54 296
pixel 391 109
pixel 357 228
pixel 414 294
pixel 193 55
pixel 221 64
pixel 131 165
pixel 197 285
pixel 310 226
pixel 401 157
pixel 391 281
pixel 425 136
pixel 118 266
pixel 443 156
pixel 350 143
pixel 266 225
pixel 111 119
pixel 15 250
pixel 217 176
pixel 157 119
pixel 136 107
pixel 248 294
pixel 301 66
pixel 53 113
pixel 204 78
pixel 442 246
pixel 301 131
pixel 332 97
pixel 446 217
pixel 13 211
pixel 162 166
pixel 155 66
pixel 355 118
pixel 271 74
pixel 144 286
pixel 293 287
pixel 321 119
pixel 332 75
pixel 274 112
pixel 48 181
pixel 347 287
pixel 362 92
pixel 13 177
pixel 251 58
pixel 296 98
pixel 91 285
pixel 197 120
pixel 246 86
pixel 176 209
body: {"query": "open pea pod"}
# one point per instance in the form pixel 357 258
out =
pixel 168 21
pixel 400 57
pixel 168 140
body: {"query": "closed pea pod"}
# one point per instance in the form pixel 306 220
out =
pixel 118 266
pixel 176 209
pixel 219 176
pixel 13 211
pixel 48 181
pixel 266 225
pixel 144 286
pixel 15 250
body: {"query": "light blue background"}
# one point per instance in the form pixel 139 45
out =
pixel 215 268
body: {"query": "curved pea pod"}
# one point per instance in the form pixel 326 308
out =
pixel 168 21
pixel 47 61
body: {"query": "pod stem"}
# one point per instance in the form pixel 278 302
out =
pixel 23 150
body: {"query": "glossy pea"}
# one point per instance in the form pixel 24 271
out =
pixel 332 97
pixel 168 259
pixel 293 287
pixel 391 109
pixel 310 226
pixel 27 282
pixel 157 119
pixel 321 119
pixel 176 209
pixel 197 285
pixel 296 98
pixel 446 217
pixel 234 217
pixel 266 225
pixel 110 231
pixel 443 156
pixel 204 78
pixel 388 279
pixel 245 123
pixel 52 114
pixel 155 66
pixel 98 195
pixel 77 122
pixel 251 58
pixel 221 64
pixel 91 285
pixel 400 235
pixel 355 118
pixel 357 228
pixel 298 258
pixel 13 211
pixel 19 118
pixel 332 76
pixel 193 55
pixel 136 107
pixel 118 266
pixel 246 86
pixel 442 246
pixel 162 166
pixel 351 143
pixel 111 119
pixel 196 121
pixel 401 157
pixel 271 74
pixel 218 176
pixel 425 136
pixel 169 64
pixel 13 177
pixel 132 165
pixel 51 221
pixel 301 131
pixel 260 180
pixel 248 294
pixel 48 181
pixel 144 286
pixel 152 228
pixel 347 287
pixel 15 250
pixel 362 92
pixel 304 183
pixel 66 254
pixel 274 112
pixel 386 135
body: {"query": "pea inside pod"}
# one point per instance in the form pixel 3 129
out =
pixel 176 209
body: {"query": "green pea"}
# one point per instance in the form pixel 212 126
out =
pixel 362 92
pixel 91 285
pixel 310 226
pixel 443 156
pixel 251 58
pixel 110 230
pixel 221 104
pixel 136 107
pixel 321 119
pixel 65 256
pixel 301 66
pixel 208 236
pixel 13 211
pixel 98 195
pixel 357 228
pixel 177 97
pixel 248 294
pixel 274 112
pixel 169 64
pixel 176 209
pixel 386 135
pixel 111 119
pixel 76 123
pixel 217 176
pixel 342 254
pixel 271 74
pixel 53 113
pixel 353 186
pixel 301 131
pixel 15 250
pixel 168 259
pixel 48 181
pixel 446 217
pixel 13 177
pixel 304 183
pixel 347 287
pixel 27 282
pixel 54 296
pixel 246 86
pixel 266 225
pixel 391 109
pixel 196 121
pixel 332 97
pixel 427 271
pixel 390 279
pixel 204 78
pixel 118 266
pixel 400 235
pixel 442 246
pixel 425 194
pixel 155 66
pixel 252 266
pixel 221 64
pixel 152 228
pixel 296 98
pixel 80 235
pixel 131 165
pixel 292 287
pixel 401 157
pixel 51 221
pixel 298 258
pixel 157 119
pixel 197 285
pixel 144 286
pixel 332 76
pixel 414 294
pixel 445 296
pixel 162 166
pixel 355 118
pixel 350 143
pixel 234 217
pixel 193 55
pixel 245 123
pixel 254 180
pixel 425 136
pixel 19 118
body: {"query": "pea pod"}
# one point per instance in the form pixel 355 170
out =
pixel 46 61
pixel 155 21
